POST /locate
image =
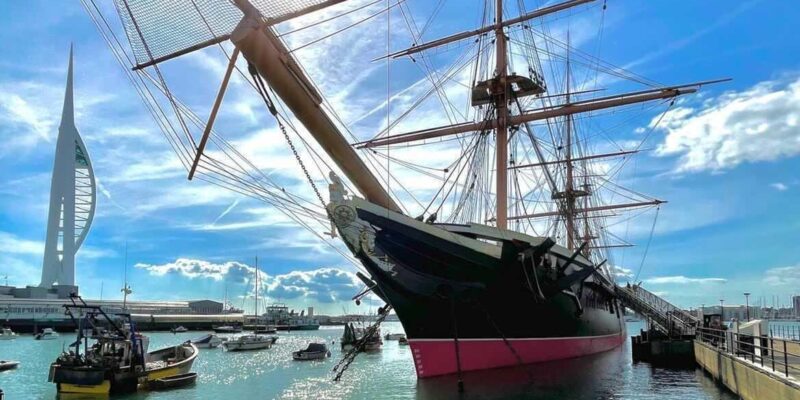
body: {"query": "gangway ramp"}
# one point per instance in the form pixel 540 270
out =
pixel 663 316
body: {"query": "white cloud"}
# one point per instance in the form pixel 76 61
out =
pixel 783 276
pixel 758 124
pixel 326 285
pixel 620 272
pixel 680 279
pixel 779 186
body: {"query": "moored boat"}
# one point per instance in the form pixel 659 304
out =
pixel 228 329
pixel 394 336
pixel 248 342
pixel 117 361
pixel 403 341
pixel 355 335
pixel 314 351
pixel 515 270
pixel 179 329
pixel 46 334
pixel 209 341
pixel 7 364
pixel 173 382
pixel 7 334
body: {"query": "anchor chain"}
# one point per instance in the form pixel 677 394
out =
pixel 348 358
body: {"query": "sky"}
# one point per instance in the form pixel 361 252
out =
pixel 726 159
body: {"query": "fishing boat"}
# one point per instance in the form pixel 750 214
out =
pixel 356 335
pixel 6 365
pixel 209 341
pixel 314 351
pixel 173 382
pixel 46 334
pixel 7 334
pixel 117 360
pixel 505 261
pixel 228 329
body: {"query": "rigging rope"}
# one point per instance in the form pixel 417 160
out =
pixel 649 239
pixel 262 90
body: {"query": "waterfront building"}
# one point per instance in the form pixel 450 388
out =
pixel 796 306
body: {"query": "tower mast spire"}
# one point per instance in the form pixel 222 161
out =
pixel 501 107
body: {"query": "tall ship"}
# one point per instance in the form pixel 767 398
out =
pixel 491 235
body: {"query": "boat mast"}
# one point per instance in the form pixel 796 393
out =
pixel 501 107
pixel 569 194
pixel 262 48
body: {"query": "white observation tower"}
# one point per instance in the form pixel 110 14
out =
pixel 72 198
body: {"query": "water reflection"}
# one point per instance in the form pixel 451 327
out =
pixel 609 375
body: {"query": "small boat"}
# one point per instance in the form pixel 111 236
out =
pixel 179 329
pixel 314 351
pixel 403 341
pixel 249 342
pixel 46 334
pixel 265 329
pixel 394 336
pixel 228 329
pixel 117 359
pixel 353 335
pixel 6 365
pixel 210 341
pixel 172 382
pixel 8 334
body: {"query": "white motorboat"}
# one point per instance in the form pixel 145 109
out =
pixel 46 334
pixel 209 341
pixel 228 329
pixel 314 351
pixel 8 334
pixel 394 336
pixel 248 342
pixel 179 329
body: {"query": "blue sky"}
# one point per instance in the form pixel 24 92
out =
pixel 726 159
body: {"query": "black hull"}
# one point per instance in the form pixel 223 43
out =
pixel 442 291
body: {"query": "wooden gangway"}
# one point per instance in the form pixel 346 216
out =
pixel 662 315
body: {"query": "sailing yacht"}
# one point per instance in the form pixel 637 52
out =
pixel 509 262
pixel 253 341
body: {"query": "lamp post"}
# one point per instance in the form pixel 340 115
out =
pixel 747 305
pixel 722 309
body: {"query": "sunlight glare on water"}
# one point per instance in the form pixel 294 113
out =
pixel 388 374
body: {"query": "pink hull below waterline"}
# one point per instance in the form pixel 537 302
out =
pixel 433 357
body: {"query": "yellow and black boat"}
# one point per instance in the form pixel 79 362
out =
pixel 116 360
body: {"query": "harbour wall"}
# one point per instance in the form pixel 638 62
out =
pixel 748 381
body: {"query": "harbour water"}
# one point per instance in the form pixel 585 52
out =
pixel 388 374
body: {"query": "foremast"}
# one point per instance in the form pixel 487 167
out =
pixel 501 107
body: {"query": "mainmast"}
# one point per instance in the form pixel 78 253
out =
pixel 501 107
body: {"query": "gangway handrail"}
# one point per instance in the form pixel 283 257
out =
pixel 664 316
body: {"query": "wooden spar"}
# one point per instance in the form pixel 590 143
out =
pixel 538 114
pixel 222 38
pixel 262 48
pixel 501 128
pixel 486 29
pixel 592 157
pixel 213 116
pixel 590 209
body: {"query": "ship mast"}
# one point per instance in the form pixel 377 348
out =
pixel 501 107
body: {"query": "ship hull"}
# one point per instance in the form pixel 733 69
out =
pixel 469 304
